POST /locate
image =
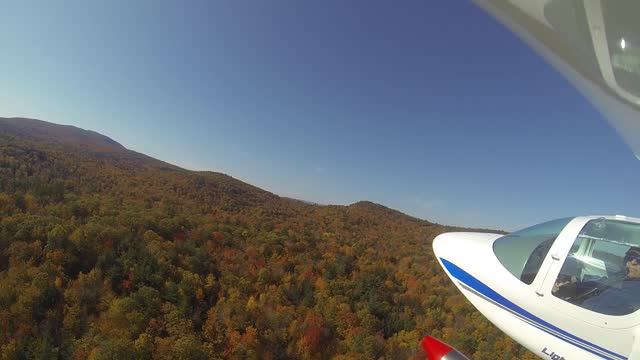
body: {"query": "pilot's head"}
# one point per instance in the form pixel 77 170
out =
pixel 632 263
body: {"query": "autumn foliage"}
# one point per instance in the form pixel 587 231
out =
pixel 106 253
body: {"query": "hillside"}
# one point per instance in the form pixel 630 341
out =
pixel 108 253
pixel 52 133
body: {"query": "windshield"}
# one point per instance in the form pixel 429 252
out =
pixel 523 251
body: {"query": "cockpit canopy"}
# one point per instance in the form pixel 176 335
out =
pixel 600 273
pixel 522 252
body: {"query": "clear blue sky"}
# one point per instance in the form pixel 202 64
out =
pixel 428 107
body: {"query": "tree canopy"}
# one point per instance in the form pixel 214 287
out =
pixel 105 253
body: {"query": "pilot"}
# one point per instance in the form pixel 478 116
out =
pixel 623 299
pixel 632 263
pixel 566 285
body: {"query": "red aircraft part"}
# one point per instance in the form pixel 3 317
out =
pixel 437 350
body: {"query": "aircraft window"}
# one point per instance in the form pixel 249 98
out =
pixel 523 252
pixel 622 31
pixel 602 271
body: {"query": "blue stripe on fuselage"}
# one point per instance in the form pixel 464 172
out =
pixel 492 295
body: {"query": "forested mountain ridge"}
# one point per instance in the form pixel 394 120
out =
pixel 53 133
pixel 106 253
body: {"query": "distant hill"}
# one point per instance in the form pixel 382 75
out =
pixel 100 163
pixel 108 253
pixel 53 133
pixel 87 147
pixel 73 140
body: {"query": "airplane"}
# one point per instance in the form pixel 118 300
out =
pixel 564 289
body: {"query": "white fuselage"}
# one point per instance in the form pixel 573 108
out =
pixel 546 325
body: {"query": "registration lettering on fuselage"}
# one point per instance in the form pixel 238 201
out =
pixel 552 355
